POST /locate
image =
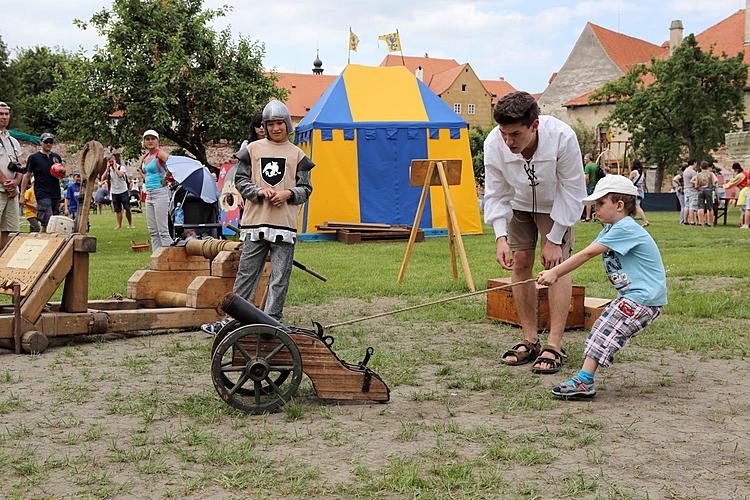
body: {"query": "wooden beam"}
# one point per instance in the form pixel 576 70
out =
pixel 206 291
pixel 225 264
pixel 76 292
pixel 145 284
pixel 177 259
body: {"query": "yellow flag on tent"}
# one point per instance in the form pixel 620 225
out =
pixel 353 40
pixel 392 40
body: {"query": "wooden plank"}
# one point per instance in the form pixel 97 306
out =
pixel 25 259
pixel 76 291
pixel 144 284
pixel 352 237
pixel 177 259
pixel 206 291
pixel 453 222
pixel 225 264
pixel 420 169
pixel 259 299
pixel 357 225
pixel 47 284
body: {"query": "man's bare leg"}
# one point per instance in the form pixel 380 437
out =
pixel 524 296
pixel 559 305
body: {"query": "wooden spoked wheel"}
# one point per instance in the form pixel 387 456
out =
pixel 256 368
pixel 220 336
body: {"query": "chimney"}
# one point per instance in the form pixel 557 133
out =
pixel 419 73
pixel 675 35
pixel 747 24
pixel 502 78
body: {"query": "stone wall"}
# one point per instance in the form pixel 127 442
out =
pixel 587 68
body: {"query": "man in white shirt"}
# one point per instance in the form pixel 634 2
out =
pixel 534 187
pixel 10 178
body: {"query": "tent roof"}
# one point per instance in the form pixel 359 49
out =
pixel 379 96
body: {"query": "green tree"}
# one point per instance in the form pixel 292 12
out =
pixel 6 79
pixel 685 102
pixel 586 136
pixel 477 135
pixel 163 67
pixel 35 72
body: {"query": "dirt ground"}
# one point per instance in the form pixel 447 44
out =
pixel 139 417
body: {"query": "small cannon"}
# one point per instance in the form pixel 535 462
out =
pixel 257 363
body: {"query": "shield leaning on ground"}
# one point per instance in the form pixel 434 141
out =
pixel 272 169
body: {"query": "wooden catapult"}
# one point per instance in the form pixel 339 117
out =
pixel 180 289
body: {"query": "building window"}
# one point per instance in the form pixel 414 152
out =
pixel 471 109
pixel 463 87
pixel 457 107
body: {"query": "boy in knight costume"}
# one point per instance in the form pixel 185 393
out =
pixel 273 177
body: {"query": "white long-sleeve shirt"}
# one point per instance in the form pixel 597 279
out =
pixel 558 171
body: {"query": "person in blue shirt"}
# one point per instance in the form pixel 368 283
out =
pixel 71 195
pixel 634 266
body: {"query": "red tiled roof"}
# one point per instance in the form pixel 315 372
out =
pixel 440 82
pixel 499 88
pixel 536 96
pixel 303 90
pixel 626 51
pixel 726 36
pixel 430 65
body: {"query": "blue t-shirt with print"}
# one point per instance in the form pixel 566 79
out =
pixel 633 263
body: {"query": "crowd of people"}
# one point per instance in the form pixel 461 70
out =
pixel 701 193
pixel 43 187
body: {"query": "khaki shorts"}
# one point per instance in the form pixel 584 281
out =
pixel 526 228
pixel 9 213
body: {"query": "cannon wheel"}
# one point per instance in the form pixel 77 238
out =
pixel 254 376
pixel 221 335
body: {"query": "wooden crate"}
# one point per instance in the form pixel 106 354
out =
pixel 500 305
pixel 592 309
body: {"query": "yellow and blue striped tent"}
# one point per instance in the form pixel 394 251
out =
pixel 363 133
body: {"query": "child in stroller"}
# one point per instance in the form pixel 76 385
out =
pixel 190 215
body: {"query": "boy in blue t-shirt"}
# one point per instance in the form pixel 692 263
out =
pixel 632 263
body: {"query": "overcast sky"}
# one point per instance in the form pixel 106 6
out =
pixel 524 41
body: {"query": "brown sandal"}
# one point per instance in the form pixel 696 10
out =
pixel 522 357
pixel 557 361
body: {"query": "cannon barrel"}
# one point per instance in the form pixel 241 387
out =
pixel 246 313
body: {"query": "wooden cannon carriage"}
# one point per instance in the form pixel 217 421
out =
pixel 257 363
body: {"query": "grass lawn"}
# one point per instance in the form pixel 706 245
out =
pixel 139 416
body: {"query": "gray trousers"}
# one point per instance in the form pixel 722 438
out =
pixel 157 217
pixel 251 267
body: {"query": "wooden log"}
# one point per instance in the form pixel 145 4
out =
pixel 145 284
pixel 48 283
pixel 118 321
pixel 84 243
pixel 32 342
pixel 206 291
pixel 261 293
pixel 170 299
pixel 225 264
pixel 177 259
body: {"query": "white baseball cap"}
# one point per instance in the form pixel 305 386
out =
pixel 151 132
pixel 611 184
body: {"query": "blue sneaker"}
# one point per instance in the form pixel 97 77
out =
pixel 574 389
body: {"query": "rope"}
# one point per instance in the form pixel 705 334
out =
pixel 411 308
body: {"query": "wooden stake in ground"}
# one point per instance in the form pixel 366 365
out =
pixel 443 173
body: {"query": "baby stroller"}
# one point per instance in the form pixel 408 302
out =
pixel 198 216
pixel 135 201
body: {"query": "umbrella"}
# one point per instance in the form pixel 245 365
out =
pixel 194 177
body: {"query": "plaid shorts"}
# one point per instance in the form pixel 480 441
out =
pixel 620 321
